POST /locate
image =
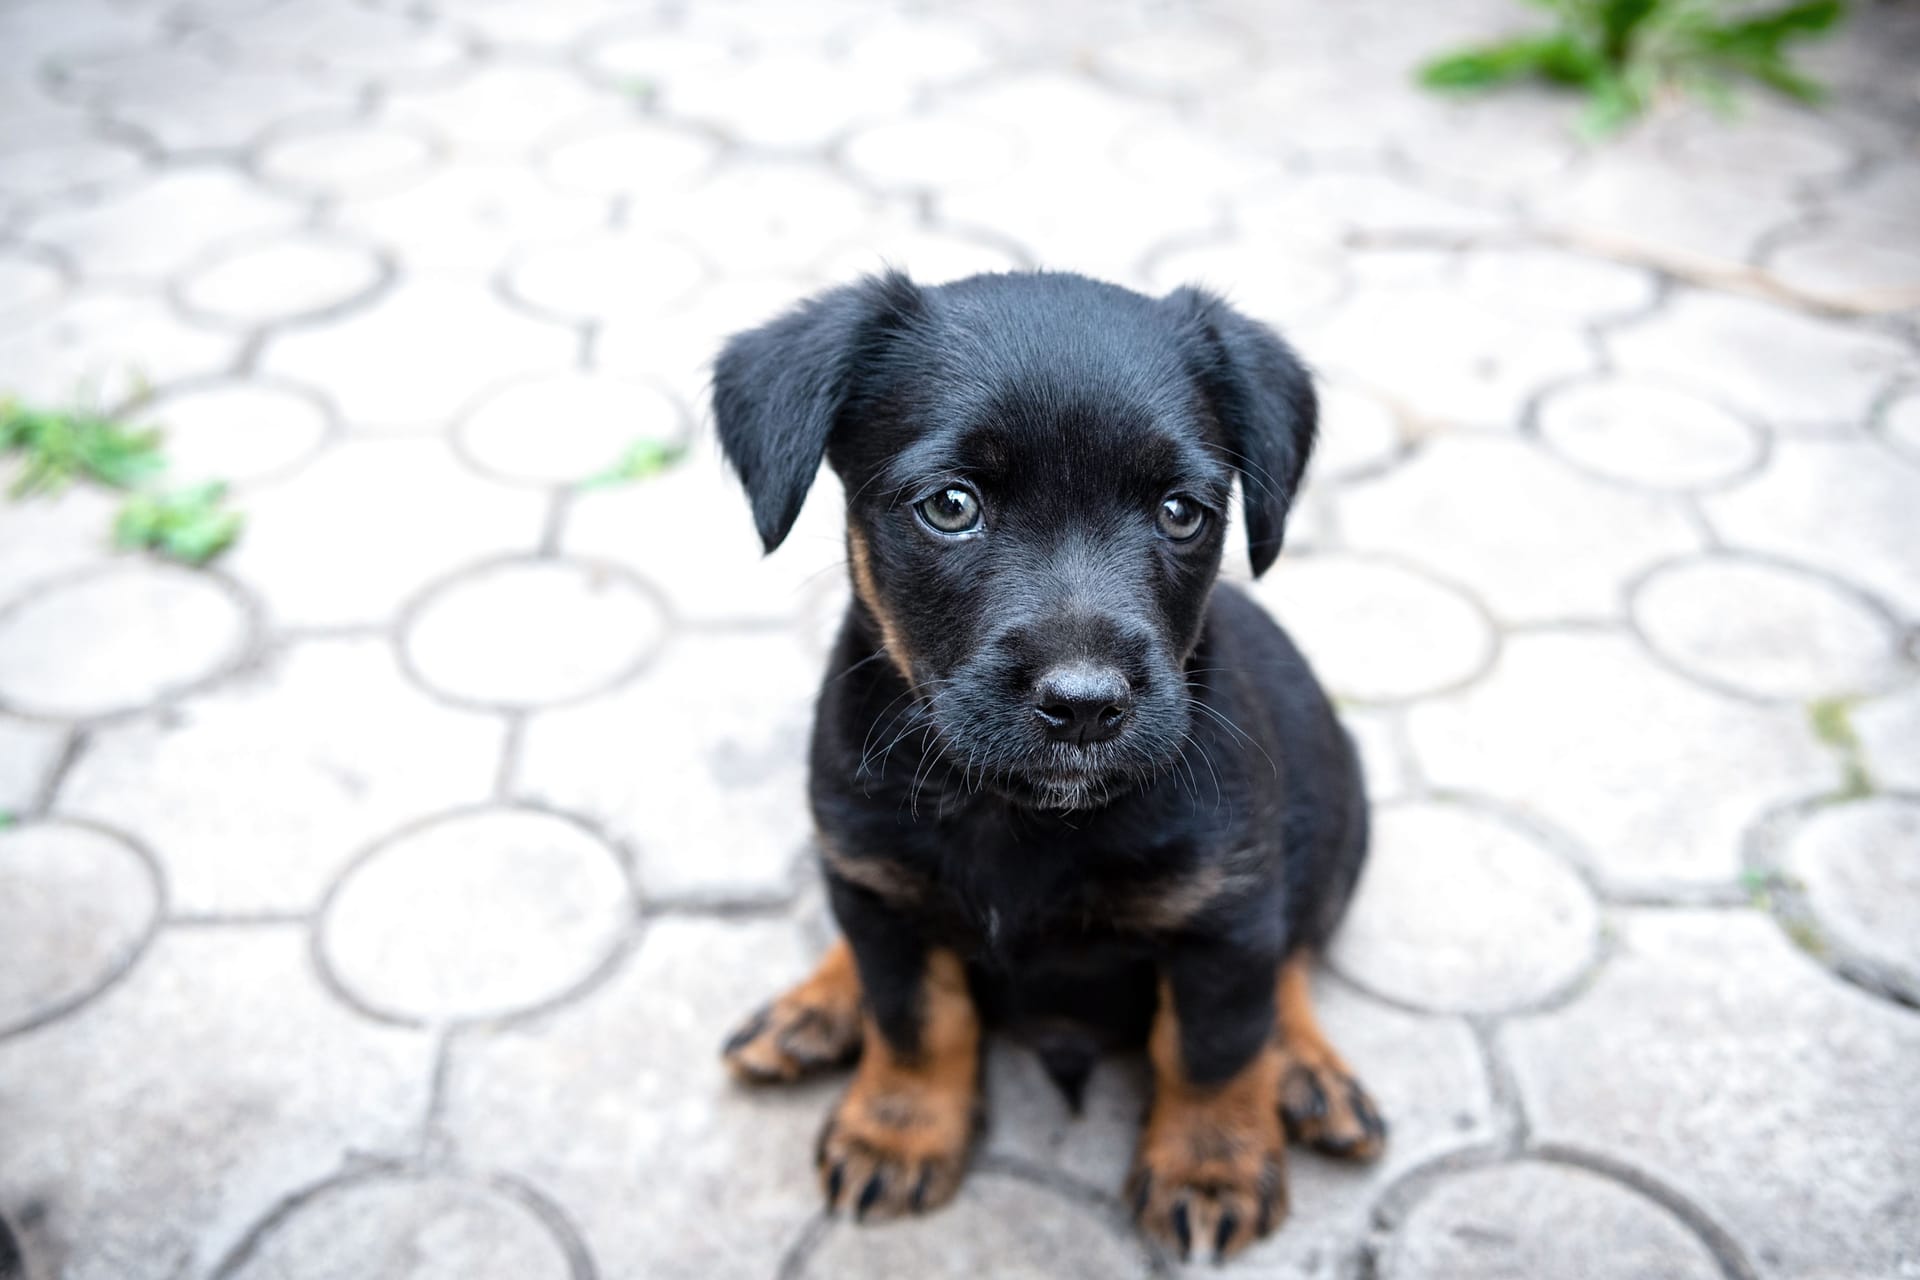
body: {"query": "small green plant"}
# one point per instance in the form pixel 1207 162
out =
pixel 1832 720
pixel 1627 53
pixel 188 525
pixel 57 447
pixel 642 459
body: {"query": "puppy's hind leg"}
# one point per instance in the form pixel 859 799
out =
pixel 815 1025
pixel 1321 1103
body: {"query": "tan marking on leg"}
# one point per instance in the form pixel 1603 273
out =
pixel 1321 1102
pixel 813 1026
pixel 1210 1170
pixel 898 1141
pixel 892 638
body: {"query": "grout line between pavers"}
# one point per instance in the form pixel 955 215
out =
pixel 46 796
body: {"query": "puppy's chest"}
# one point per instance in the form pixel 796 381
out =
pixel 1013 901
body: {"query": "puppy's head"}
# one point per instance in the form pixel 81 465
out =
pixel 1037 468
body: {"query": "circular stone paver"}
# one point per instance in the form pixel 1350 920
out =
pixel 405 1229
pixel 1375 631
pixel 75 907
pixel 237 431
pixel 1175 58
pixel 1357 431
pixel 349 160
pixel 1532 1220
pixel 27 285
pixel 286 278
pixel 474 915
pixel 1458 912
pixel 1647 434
pixel 123 637
pixel 1763 629
pixel 635 158
pixel 942 152
pixel 532 633
pixel 566 428
pixel 607 274
pixel 996 1227
pixel 1860 864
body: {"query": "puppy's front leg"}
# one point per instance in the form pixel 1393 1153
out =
pixel 1211 1161
pixel 898 1141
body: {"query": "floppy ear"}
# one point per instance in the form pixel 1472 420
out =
pixel 1263 398
pixel 778 391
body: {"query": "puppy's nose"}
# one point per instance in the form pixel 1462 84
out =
pixel 1082 703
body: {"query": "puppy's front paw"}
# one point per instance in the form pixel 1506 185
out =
pixel 792 1037
pixel 1324 1107
pixel 1209 1175
pixel 814 1026
pixel 895 1146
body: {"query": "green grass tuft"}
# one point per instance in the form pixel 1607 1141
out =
pixel 643 459
pixel 1806 936
pixel 56 447
pixel 1832 720
pixel 1625 54
pixel 189 525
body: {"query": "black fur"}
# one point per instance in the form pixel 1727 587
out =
pixel 1222 826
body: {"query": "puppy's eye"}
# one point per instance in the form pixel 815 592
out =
pixel 1181 518
pixel 952 510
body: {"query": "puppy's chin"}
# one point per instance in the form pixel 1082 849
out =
pixel 1068 796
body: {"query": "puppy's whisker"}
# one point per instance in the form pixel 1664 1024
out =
pixel 1189 740
pixel 834 568
pixel 870 658
pixel 880 719
pixel 1251 472
pixel 1236 730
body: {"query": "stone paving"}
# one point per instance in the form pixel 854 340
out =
pixel 373 903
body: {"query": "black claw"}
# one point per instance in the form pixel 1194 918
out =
pixel 1365 1112
pixel 1141 1194
pixel 834 1181
pixel 1183 1230
pixel 1316 1103
pixel 754 1025
pixel 919 1197
pixel 869 1196
pixel 820 1143
pixel 809 1020
pixel 1229 1222
pixel 1336 1144
pixel 1272 1193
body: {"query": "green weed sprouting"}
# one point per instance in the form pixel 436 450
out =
pixel 642 459
pixel 58 447
pixel 1625 54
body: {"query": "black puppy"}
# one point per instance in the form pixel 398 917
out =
pixel 1064 782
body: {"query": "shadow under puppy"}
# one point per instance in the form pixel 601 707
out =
pixel 1065 783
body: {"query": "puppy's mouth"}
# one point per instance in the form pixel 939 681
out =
pixel 1062 778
